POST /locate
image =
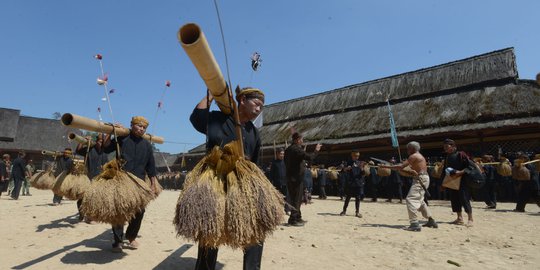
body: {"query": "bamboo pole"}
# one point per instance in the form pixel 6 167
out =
pixel 194 43
pixel 80 139
pixel 76 121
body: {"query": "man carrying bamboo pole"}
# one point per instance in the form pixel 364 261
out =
pixel 95 158
pixel 139 157
pixel 64 163
pixel 220 130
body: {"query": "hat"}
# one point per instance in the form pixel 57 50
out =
pixel 450 142
pixel 139 120
pixel 296 136
pixel 250 92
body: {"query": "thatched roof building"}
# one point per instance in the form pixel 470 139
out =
pixel 474 100
pixel 479 101
pixel 31 134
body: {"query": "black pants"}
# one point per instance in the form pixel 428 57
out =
pixel 490 197
pixel 207 258
pixel 322 192
pixel 17 188
pixel 394 189
pixel 57 199
pixel 295 186
pixel 461 199
pixel 525 191
pixel 355 192
pixel 79 204
pixel 132 229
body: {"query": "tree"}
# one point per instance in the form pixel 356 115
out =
pixel 57 115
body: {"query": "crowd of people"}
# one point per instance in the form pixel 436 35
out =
pixel 361 179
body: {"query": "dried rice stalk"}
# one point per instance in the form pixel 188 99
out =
pixel 73 184
pixel 115 196
pixel 43 180
pixel 504 168
pixel 520 172
pixel 383 172
pixel 200 209
pixel 367 171
pixel 268 203
pixel 537 164
pixel 437 170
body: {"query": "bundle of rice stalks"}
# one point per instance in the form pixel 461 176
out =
pixel 43 180
pixel 263 209
pixel 367 167
pixel 383 172
pixel 314 172
pixel 537 164
pixel 115 196
pixel 200 209
pixel 520 172
pixel 504 168
pixel 333 173
pixel 73 184
pixel 158 188
pixel 407 172
pixel 437 170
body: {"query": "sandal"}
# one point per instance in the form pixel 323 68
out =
pixel 457 222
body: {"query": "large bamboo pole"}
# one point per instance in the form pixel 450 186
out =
pixel 80 139
pixel 194 43
pixel 76 121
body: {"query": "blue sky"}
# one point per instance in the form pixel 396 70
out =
pixel 307 47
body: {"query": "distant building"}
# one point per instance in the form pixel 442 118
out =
pixel 31 134
pixel 480 102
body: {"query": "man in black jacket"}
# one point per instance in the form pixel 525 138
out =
pixel 220 130
pixel 295 169
pixel 18 174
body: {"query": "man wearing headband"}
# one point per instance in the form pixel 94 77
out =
pixel 18 174
pixel 295 165
pixel 460 199
pixel 64 163
pixel 94 162
pixel 139 157
pixel 220 130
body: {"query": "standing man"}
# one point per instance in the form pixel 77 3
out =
pixel 139 157
pixel 490 187
pixel 4 175
pixel 30 168
pixel 460 199
pixel 18 172
pixel 394 184
pixel 295 157
pixel 415 197
pixel 322 175
pixel 220 130
pixel 94 161
pixel 64 164
pixel 278 175
pixel 354 186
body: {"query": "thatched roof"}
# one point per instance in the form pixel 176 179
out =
pixel 32 133
pixel 9 119
pixel 477 93
pixel 163 159
pixel 495 67
pixel 498 106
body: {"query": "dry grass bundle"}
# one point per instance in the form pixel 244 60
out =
pixel 73 184
pixel 437 170
pixel 43 180
pixel 520 172
pixel 115 196
pixel 367 168
pixel 504 168
pixel 314 172
pixel 200 209
pixel 265 205
pixel 158 188
pixel 382 172
pixel 407 172
pixel 333 173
